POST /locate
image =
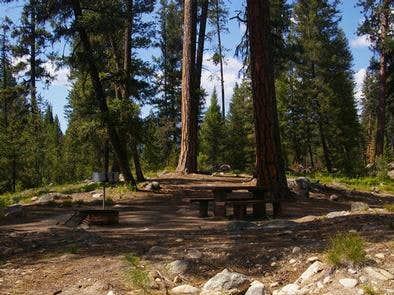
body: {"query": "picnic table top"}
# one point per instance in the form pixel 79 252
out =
pixel 228 187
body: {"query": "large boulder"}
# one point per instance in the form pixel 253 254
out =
pixel 227 282
pixel 335 214
pixel 313 269
pixel 302 186
pixel 153 186
pixel 290 289
pixel 185 290
pixel 378 273
pixel 178 266
pixel 256 288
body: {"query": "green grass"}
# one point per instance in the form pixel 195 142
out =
pixel 135 274
pixel 25 196
pixel 364 183
pixel 344 249
pixel 132 259
pixel 389 207
pixel 369 290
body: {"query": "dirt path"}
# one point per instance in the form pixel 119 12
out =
pixel 45 257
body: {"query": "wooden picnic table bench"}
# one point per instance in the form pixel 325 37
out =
pixel 221 200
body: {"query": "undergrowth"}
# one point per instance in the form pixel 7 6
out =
pixel 362 183
pixel 345 249
pixel 369 290
pixel 389 207
pixel 136 274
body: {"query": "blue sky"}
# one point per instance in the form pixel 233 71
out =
pixel 56 94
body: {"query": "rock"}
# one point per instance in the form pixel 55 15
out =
pixel 157 250
pixel 378 273
pixel 280 224
pixel 313 269
pixel 224 167
pixel 178 266
pixel 337 214
pixel 240 225
pixel 390 166
pixel 185 290
pixel 292 261
pixel 110 292
pixel 227 281
pixel 326 280
pixel 177 280
pixel 296 250
pixel 274 284
pixel 313 259
pixel 97 196
pixel 153 186
pixel 290 289
pixel 121 177
pixel 359 206
pixel 348 283
pixel 15 210
pixel 256 288
pixel 302 187
pixel 390 174
pixel 52 197
pixel 273 264
pixel 380 255
pixel 352 271
pixel 363 279
pixel 194 254
pixel 334 198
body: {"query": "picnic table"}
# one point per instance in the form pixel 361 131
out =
pixel 222 198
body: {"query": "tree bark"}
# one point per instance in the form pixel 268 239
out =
pixel 187 162
pixel 201 42
pixel 381 111
pixel 117 145
pixel 33 88
pixel 127 84
pixel 269 161
pixel 220 58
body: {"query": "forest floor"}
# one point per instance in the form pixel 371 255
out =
pixel 40 255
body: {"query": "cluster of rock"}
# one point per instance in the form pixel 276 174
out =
pixel 318 278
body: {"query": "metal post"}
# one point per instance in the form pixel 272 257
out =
pixel 103 195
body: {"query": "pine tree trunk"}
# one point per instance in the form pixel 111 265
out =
pixel 137 163
pixel 117 144
pixel 201 42
pixel 187 162
pixel 4 84
pixel 220 58
pixel 381 111
pixel 127 72
pixel 269 161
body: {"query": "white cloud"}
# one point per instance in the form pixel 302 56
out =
pixel 359 77
pixel 210 77
pixel 360 41
pixel 61 75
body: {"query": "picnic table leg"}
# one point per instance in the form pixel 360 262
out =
pixel 219 203
pixel 277 208
pixel 203 209
pixel 259 210
pixel 239 211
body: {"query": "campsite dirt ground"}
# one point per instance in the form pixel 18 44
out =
pixel 42 256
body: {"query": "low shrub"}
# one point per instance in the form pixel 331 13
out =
pixel 348 248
